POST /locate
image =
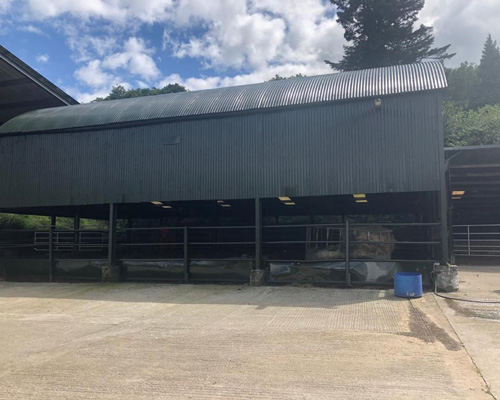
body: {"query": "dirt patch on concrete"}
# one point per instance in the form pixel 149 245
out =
pixel 421 327
pixel 473 310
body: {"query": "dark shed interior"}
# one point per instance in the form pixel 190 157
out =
pixel 474 181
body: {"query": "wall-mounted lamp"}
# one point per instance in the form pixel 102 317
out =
pixel 377 103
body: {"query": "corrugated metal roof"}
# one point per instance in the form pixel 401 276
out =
pixel 324 88
pixel 22 89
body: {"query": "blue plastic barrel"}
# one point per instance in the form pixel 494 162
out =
pixel 408 285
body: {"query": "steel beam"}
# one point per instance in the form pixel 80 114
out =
pixel 186 255
pixel 53 222
pixel 258 234
pixel 347 255
pixel 114 273
pixel 76 228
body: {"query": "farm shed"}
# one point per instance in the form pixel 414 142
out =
pixel 22 89
pixel 473 173
pixel 334 178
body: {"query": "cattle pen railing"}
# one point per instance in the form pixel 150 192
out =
pixel 214 253
pixel 476 240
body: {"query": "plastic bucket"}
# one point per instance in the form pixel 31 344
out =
pixel 408 285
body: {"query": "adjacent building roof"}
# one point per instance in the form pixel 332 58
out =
pixel 22 89
pixel 298 91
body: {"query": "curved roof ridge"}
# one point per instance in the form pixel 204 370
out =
pixel 307 90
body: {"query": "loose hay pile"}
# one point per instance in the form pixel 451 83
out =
pixel 377 243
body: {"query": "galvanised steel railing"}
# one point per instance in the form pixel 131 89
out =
pixel 226 243
pixel 476 240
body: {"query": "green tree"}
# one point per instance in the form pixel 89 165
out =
pixel 119 92
pixel 463 85
pixel 31 222
pixel 281 78
pixel 382 34
pixel 489 73
pixel 465 127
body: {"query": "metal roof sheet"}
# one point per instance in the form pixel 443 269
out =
pixel 298 91
pixel 22 89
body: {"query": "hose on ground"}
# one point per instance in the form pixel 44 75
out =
pixel 457 298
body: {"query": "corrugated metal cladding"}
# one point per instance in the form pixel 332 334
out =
pixel 326 149
pixel 315 89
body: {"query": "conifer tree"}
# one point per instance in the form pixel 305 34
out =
pixel 381 33
pixel 489 74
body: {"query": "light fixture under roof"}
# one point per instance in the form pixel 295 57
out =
pixel 359 196
pixel 220 201
pixel 458 193
pixel 289 203
pixel 157 203
pixel 226 205
pixel 285 198
pixel 362 201
pixel 456 198
pixel 166 206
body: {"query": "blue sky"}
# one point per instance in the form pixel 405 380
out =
pixel 87 46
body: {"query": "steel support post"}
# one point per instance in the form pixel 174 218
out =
pixel 186 255
pixel 129 234
pixel 113 273
pixel 53 222
pixel 258 234
pixel 347 255
pixel 76 228
pixel 258 276
pixel 468 240
pixel 444 217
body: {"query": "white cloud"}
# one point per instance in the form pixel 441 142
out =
pixel 115 10
pixel 234 38
pixel 85 97
pixel 31 29
pixel 463 23
pixel 93 75
pixel 234 41
pixel 5 5
pixel 86 46
pixel 253 35
pixel 42 58
pixel 202 83
pixel 135 58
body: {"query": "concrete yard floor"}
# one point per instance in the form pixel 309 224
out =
pixel 477 324
pixel 144 341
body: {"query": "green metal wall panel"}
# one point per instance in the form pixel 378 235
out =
pixel 326 149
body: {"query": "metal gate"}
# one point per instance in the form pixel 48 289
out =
pixel 476 240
